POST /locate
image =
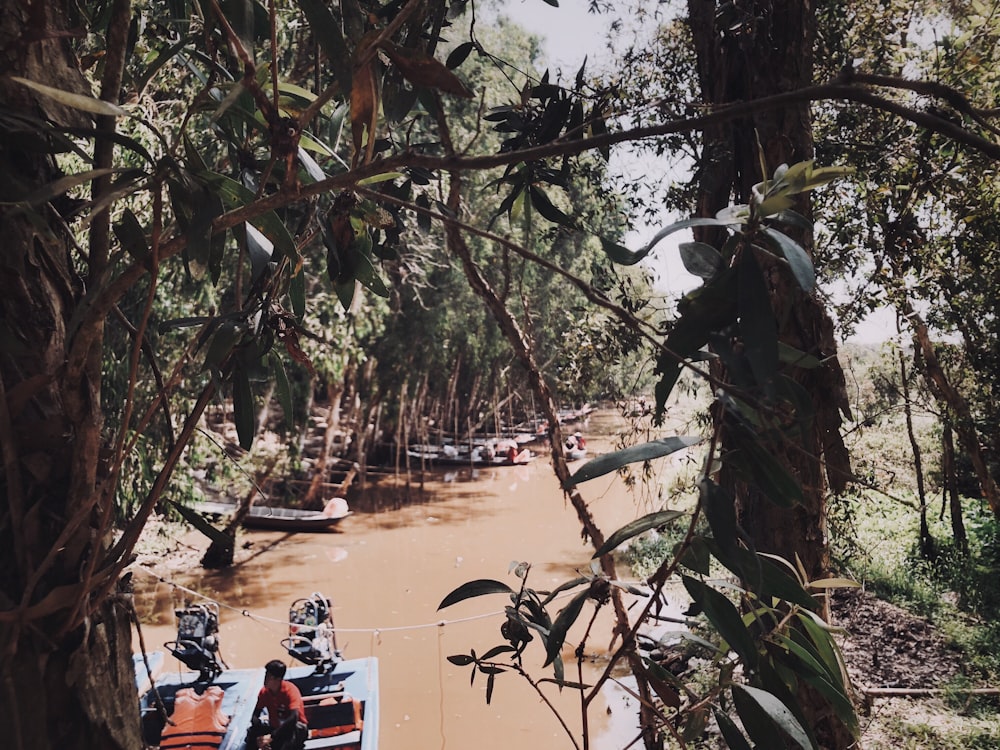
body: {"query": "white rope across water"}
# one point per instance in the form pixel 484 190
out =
pixel 375 631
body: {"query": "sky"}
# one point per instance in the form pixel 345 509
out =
pixel 570 34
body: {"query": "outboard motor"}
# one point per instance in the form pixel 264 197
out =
pixel 197 643
pixel 311 636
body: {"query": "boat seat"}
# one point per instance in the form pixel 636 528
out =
pixel 332 718
pixel 351 739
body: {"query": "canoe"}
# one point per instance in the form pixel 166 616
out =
pixel 284 519
pixel 210 706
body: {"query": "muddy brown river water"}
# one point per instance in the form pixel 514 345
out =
pixel 387 571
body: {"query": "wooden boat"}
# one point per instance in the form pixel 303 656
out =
pixel 477 457
pixel 285 519
pixel 212 707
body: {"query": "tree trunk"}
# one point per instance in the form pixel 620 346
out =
pixel 320 470
pixel 766 49
pixel 773 54
pixel 948 470
pixel 926 540
pixel 65 654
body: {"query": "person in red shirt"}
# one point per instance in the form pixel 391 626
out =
pixel 286 727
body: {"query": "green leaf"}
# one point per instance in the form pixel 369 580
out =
pixel 366 274
pixel 345 292
pixel 479 587
pixel 225 336
pixel 730 733
pixel 725 618
pixel 720 511
pixel 199 522
pixel 75 101
pixel 566 618
pixel 297 294
pixel 762 713
pixel 685 224
pixel 236 195
pixel 808 658
pixel 65 184
pixel 244 410
pixel 759 466
pixel 313 169
pixel 757 324
pixel 132 236
pixel 459 55
pixel 700 259
pixel 619 253
pixel 328 34
pixel 282 387
pixel 842 705
pixel 564 586
pixel 377 178
pixel 822 639
pixel 547 209
pixel 615 460
pixel 789 355
pixel 697 556
pixel 260 249
pixel 798 259
pixel 793 219
pixel 636 527
pixel 496 651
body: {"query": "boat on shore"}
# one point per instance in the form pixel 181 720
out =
pixel 211 706
pixel 270 518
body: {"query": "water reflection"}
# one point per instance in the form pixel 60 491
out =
pixel 407 545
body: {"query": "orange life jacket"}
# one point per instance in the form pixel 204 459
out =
pixel 198 721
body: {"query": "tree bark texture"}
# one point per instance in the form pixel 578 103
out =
pixel 766 48
pixel 772 53
pixel 65 654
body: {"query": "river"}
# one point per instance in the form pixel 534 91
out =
pixel 387 571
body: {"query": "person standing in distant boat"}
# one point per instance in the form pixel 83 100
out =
pixel 286 727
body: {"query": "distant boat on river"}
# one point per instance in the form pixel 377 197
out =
pixel 508 453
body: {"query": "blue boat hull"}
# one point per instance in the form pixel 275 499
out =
pixel 341 703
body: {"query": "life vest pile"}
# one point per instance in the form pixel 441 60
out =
pixel 198 721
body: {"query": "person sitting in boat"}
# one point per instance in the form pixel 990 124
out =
pixel 286 727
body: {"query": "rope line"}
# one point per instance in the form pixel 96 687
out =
pixel 376 631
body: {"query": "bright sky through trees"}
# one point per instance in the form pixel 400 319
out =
pixel 572 34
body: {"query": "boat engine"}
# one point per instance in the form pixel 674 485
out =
pixel 311 635
pixel 197 643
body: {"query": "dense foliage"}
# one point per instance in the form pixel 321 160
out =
pixel 208 201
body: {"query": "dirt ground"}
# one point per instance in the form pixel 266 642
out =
pixel 885 646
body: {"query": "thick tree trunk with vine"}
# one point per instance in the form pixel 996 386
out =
pixel 65 655
pixel 766 50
